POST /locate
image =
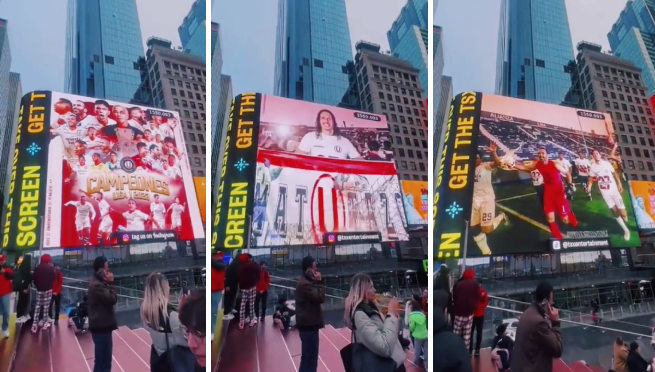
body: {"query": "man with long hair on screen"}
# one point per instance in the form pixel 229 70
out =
pixel 327 141
pixel 554 192
pixel 483 214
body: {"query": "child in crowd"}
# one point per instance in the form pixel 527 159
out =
pixel 77 317
pixel 418 328
pixel 285 314
pixel 501 352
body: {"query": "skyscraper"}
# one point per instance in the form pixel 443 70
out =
pixel 214 39
pixel 103 50
pixel 535 52
pixel 8 131
pixel 312 51
pixel 193 31
pixel 217 66
pixel 633 38
pixel 408 37
pixel 437 68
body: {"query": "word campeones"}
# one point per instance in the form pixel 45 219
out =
pixel 105 183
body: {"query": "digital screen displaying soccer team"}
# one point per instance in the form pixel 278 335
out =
pixel 113 168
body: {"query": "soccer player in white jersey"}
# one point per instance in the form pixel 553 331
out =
pixel 176 210
pixel 136 220
pixel 582 164
pixel 483 213
pixel 327 140
pixel 158 212
pixel 101 118
pixel 610 186
pixel 93 142
pixel 85 213
pixel 80 169
pixel 70 134
pixel 538 184
pixel 171 169
pixel 105 229
pixel 564 166
pixel 262 191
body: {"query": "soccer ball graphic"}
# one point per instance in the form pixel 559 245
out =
pixel 508 161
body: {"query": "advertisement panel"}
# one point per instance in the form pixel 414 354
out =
pixel 643 201
pixel 321 171
pixel 200 184
pixel 544 174
pixel 415 196
pixel 116 172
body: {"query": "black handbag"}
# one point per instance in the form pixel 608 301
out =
pixel 358 358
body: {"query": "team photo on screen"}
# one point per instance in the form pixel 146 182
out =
pixel 546 172
pixel 323 169
pixel 116 168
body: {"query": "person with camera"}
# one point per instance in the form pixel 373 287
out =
pixel 538 336
pixel 102 316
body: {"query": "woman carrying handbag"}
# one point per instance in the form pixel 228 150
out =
pixel 374 345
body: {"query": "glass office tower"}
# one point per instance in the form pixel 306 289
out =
pixel 633 38
pixel 103 48
pixel 414 13
pixel 312 51
pixel 535 52
pixel 193 31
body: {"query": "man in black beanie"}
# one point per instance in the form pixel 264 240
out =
pixel 452 354
pixel 310 294
pixel 102 316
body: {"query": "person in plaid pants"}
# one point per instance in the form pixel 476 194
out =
pixel 44 280
pixel 466 296
pixel 249 272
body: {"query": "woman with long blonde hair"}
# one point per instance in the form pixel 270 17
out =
pixel 371 329
pixel 170 350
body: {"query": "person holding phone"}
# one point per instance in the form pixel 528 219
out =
pixel 102 316
pixel 310 295
pixel 538 335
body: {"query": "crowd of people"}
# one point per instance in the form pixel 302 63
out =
pixel 379 331
pixel 177 330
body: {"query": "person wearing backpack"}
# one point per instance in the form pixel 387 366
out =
pixel 418 326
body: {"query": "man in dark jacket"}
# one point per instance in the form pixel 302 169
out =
pixel 262 292
pixel 217 285
pixel 102 317
pixel 310 294
pixel 537 343
pixel 248 278
pixel 44 280
pixel 231 286
pixel 451 354
pixel 6 275
pixel 466 296
pixel 21 285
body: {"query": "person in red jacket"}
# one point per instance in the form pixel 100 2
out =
pixel 262 292
pixel 478 321
pixel 56 296
pixel 466 296
pixel 6 276
pixel 248 279
pixel 217 285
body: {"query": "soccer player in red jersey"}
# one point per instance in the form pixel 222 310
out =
pixel 554 192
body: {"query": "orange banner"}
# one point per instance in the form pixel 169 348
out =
pixel 201 192
pixel 415 196
pixel 643 201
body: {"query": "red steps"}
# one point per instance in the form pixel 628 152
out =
pixel 264 348
pixel 59 349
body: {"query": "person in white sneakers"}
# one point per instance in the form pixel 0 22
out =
pixel 6 275
pixel 44 280
pixel 21 285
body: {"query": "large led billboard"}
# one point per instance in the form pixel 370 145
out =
pixel 415 196
pixel 528 177
pixel 643 201
pixel 296 172
pixel 90 172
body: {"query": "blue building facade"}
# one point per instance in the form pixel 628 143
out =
pixel 312 51
pixel 414 13
pixel 408 37
pixel 535 58
pixel 103 50
pixel 633 38
pixel 193 31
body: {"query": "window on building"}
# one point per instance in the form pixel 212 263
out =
pixel 540 63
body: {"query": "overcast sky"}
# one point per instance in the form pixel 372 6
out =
pixel 470 34
pixel 248 37
pixel 39 56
